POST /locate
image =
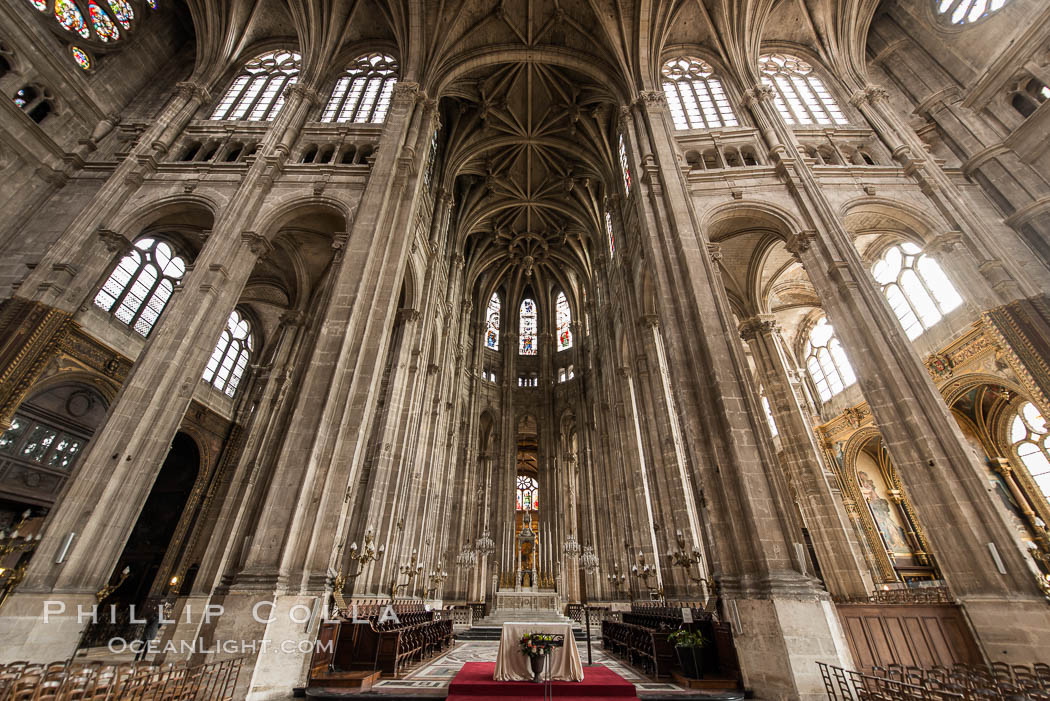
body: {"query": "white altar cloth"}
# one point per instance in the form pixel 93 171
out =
pixel 512 666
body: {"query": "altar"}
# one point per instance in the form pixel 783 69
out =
pixel 511 665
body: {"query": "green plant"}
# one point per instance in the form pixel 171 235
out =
pixel 686 638
pixel 536 644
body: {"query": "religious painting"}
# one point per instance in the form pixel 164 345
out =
pixel 883 511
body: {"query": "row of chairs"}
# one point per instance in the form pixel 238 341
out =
pixel 997 680
pixel 133 681
pixel 957 683
pixel 640 646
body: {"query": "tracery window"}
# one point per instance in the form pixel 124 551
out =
pixel 527 328
pixel 139 288
pixel 231 355
pixel 773 430
pixel 826 361
pixel 623 165
pixel 98 20
pixel 964 11
pixel 798 92
pixel 1030 437
pixel 694 96
pixel 609 231
pixel 563 317
pixel 41 443
pixel 492 323
pixel 363 93
pixel 528 493
pixel 257 94
pixel 917 289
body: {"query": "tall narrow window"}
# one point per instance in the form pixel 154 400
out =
pixel 363 92
pixel 826 361
pixel 527 328
pixel 609 231
pixel 963 11
pixel 624 167
pixel 139 288
pixel 257 94
pixel 798 93
pixel 231 355
pixel 1031 442
pixel 694 96
pixel 773 430
pixel 917 289
pixel 492 323
pixel 528 493
pixel 563 317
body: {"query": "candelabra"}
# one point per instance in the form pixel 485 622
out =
pixel 435 580
pixel 571 548
pixel 467 558
pixel 105 591
pixel 682 558
pixel 485 545
pixel 617 578
pixel 589 560
pixel 413 569
pixel 644 571
pixel 362 557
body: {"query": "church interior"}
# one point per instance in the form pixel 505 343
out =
pixel 347 344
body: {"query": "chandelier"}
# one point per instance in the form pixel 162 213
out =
pixel 485 544
pixel 589 560
pixel 571 547
pixel 467 558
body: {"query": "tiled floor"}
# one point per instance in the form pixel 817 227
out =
pixel 436 673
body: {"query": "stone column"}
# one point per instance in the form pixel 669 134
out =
pixel 841 559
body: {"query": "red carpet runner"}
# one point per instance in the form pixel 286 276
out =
pixel 475 681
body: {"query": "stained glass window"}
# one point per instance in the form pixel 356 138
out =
pixel 152 4
pixel 492 323
pixel 527 328
pixel 363 93
pixel 609 231
pixel 917 289
pixel 39 4
pixel 798 93
pixel 563 317
pixel 257 94
pixel 81 57
pixel 696 98
pixel 826 361
pixel 41 443
pixel 528 493
pixel 231 355
pixel 104 27
pixel 123 12
pixel 1031 442
pixel 69 16
pixel 24 96
pixel 139 288
pixel 963 11
pixel 624 167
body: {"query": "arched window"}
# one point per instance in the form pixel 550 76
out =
pixel 257 94
pixel 917 289
pixel 827 362
pixel 35 102
pixel 138 289
pixel 694 96
pixel 528 493
pixel 798 93
pixel 492 323
pixel 963 11
pixel 527 328
pixel 563 317
pixel 623 165
pixel 231 355
pixel 1031 443
pixel 363 93
pixel 609 231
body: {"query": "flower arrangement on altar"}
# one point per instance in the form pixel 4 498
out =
pixel 537 644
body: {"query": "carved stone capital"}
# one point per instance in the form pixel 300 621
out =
pixel 869 94
pixel 256 243
pixel 760 325
pixel 189 89
pixel 945 243
pixel 405 90
pixel 408 315
pixel 651 98
pixel 757 94
pixel 303 93
pixel 114 242
pixel 800 242
pixel 715 251
pixel 649 321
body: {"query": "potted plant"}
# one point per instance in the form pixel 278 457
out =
pixel 537 646
pixel 688 645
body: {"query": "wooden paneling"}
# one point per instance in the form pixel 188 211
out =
pixel 922 635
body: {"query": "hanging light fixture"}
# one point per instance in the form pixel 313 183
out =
pixel 571 548
pixel 589 560
pixel 467 558
pixel 485 544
